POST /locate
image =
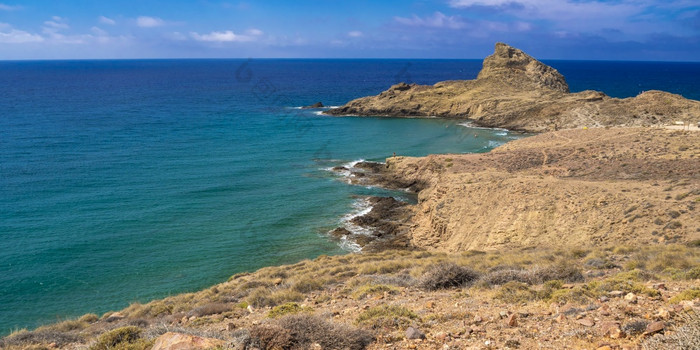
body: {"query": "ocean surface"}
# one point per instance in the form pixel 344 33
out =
pixel 125 181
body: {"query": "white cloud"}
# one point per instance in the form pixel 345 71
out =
pixel 106 20
pixel 437 20
pixel 355 34
pixel 98 31
pixel 14 36
pixel 149 22
pixel 584 15
pixel 56 24
pixel 4 7
pixel 227 36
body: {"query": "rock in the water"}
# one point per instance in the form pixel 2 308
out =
pixel 340 232
pixel 315 105
pixel 414 333
pixel 179 341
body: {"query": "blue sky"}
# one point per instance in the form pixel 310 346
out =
pixel 549 29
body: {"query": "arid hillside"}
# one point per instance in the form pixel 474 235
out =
pixel 572 188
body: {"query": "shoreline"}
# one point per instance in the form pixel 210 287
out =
pixel 337 286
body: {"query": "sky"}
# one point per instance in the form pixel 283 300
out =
pixel 548 29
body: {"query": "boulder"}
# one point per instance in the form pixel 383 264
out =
pixel 414 333
pixel 179 341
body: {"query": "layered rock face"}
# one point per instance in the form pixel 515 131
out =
pixel 517 92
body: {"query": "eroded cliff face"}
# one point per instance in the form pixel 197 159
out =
pixel 517 92
pixel 572 188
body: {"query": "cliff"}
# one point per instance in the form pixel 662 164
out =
pixel 570 188
pixel 517 92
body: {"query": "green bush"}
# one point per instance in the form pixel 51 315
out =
pixel 287 309
pixel 386 316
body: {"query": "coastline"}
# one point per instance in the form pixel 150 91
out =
pixel 352 291
pixel 521 182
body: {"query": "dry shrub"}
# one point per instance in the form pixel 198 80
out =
pixel 373 289
pixel 287 309
pixel 390 316
pixel 516 292
pixel 447 275
pixel 24 338
pixel 306 285
pixel 265 297
pixel 536 275
pixel 635 327
pixel 309 329
pixel 685 336
pixel 297 332
pixel 124 338
pixel 210 309
pixel 399 280
pixel 272 336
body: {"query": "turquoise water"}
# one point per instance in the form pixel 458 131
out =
pixel 124 181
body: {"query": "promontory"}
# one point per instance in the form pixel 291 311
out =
pixel 517 92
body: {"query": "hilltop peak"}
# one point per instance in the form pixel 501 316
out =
pixel 509 64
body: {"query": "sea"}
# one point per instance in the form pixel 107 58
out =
pixel 124 181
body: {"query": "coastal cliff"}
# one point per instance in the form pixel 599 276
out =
pixel 517 92
pixel 570 188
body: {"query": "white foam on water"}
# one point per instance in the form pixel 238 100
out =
pixel 361 207
pixel 472 126
pixel 347 244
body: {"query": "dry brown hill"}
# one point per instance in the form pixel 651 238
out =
pixel 515 91
pixel 571 188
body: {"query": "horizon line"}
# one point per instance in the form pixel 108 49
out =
pixel 317 58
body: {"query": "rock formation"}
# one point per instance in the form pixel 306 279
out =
pixel 517 92
pixel 315 105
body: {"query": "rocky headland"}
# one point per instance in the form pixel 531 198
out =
pixel 517 92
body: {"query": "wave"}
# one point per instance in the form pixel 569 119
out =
pixel 472 126
pixel 361 207
pixel 347 173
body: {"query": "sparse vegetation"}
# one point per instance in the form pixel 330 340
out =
pixel 390 297
pixel 124 338
pixel 447 275
pixel 287 309
pixel 389 316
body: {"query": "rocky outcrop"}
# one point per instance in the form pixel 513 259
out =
pixel 508 64
pixel 517 92
pixel 179 341
pixel 315 105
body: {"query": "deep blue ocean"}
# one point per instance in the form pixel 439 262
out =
pixel 125 181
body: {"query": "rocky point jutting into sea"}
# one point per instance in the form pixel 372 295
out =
pixel 517 92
